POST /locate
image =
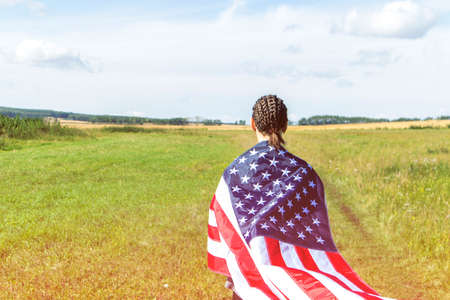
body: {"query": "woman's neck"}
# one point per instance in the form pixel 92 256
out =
pixel 261 137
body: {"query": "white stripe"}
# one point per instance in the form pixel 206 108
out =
pixel 290 256
pixel 240 283
pixel 258 250
pixel 223 198
pixel 212 218
pixel 218 249
pixel 324 264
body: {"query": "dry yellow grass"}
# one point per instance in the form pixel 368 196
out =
pixel 381 125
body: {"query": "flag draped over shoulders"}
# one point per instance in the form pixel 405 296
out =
pixel 268 230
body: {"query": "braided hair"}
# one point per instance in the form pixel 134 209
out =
pixel 270 116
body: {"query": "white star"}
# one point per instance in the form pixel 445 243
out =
pixel 246 235
pixel 304 171
pixel 305 191
pixel 260 201
pixel 239 204
pixel 257 187
pixel 273 219
pixel 293 162
pixel 233 171
pixel 243 220
pixel 276 182
pixel 281 210
pixel 248 196
pixel 252 211
pixel 301 235
pixel 297 178
pixel 313 203
pixel 280 195
pixel 290 223
pixel 244 179
pixel 297 196
pixel 236 189
pixel 253 152
pixel 285 172
pixel 309 166
pixel 270 148
pixel 281 152
pixel 262 154
pixel 289 187
pixel 273 162
pixel 265 226
pixel 283 230
pixel 254 221
pixel 316 221
pixel 305 210
pixel 269 193
pixel 312 184
pixel 253 166
pixel 290 204
pixel 266 175
pixel 307 228
pixel 320 240
pixel 242 159
pixel 298 216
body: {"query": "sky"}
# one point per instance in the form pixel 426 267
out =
pixel 214 59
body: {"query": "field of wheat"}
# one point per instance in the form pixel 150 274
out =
pixel 124 214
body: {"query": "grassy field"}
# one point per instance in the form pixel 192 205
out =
pixel 123 215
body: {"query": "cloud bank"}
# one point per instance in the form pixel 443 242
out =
pixel 399 19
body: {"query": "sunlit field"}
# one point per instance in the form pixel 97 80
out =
pixel 124 214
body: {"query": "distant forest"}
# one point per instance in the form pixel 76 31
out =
pixel 314 120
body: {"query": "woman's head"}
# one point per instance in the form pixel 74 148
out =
pixel 270 118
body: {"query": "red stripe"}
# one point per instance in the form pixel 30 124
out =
pixel 213 200
pixel 238 248
pixel 309 263
pixel 342 267
pixel 218 265
pixel 313 288
pixel 213 233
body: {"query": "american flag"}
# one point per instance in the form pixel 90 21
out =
pixel 268 230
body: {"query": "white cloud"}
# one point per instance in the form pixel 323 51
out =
pixel 35 7
pixel 227 14
pixel 379 58
pixel 45 54
pixel 399 19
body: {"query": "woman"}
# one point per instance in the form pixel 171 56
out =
pixel 268 228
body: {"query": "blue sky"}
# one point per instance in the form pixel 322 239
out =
pixel 215 58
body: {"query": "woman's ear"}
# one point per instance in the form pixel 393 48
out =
pixel 284 128
pixel 253 124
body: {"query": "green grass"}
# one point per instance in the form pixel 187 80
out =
pixel 124 214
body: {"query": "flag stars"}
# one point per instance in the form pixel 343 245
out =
pixel 266 175
pixel 283 230
pixel 233 171
pixel 269 193
pixel 261 201
pixel 316 221
pixel 244 179
pixel 290 223
pixel 253 152
pixel 242 220
pixel 290 204
pixel 253 166
pixel 293 161
pixel 305 191
pixel 320 240
pixel 298 216
pixel 280 195
pixel 312 184
pixel 271 148
pixel 289 187
pixel 304 171
pixel 265 226
pixel 305 210
pixel 247 234
pixel 285 172
pixel 236 189
pixel 281 152
pixel 276 182
pixel 298 178
pixel 300 235
pixel 281 210
pixel 239 204
pixel 298 197
pixel 254 221
pixel 308 229
pixel 273 162
pixel 249 196
pixel 252 211
pixel 313 203
pixel 262 154
pixel 242 159
pixel 257 187
pixel 273 219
